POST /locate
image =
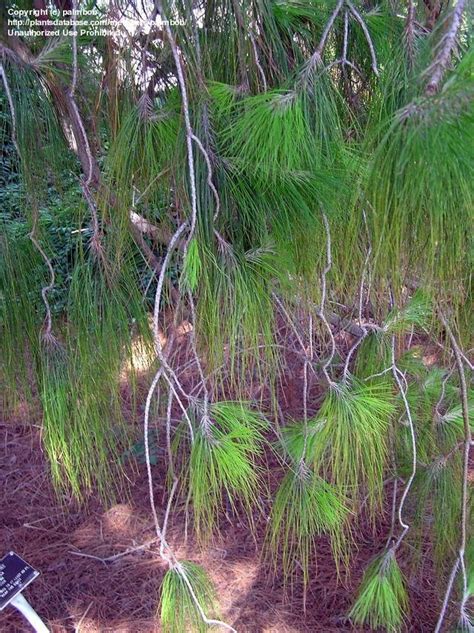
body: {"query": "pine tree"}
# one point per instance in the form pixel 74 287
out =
pixel 274 174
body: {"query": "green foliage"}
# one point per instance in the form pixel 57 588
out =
pixel 439 493
pixel 453 418
pixel 304 508
pixel 20 305
pixel 142 152
pixel 39 138
pixel 191 267
pixel 235 308
pixel 352 443
pixel 416 205
pixel 299 440
pixel 62 228
pixel 223 465
pixel 78 396
pixel 78 381
pixel 177 608
pixel 382 600
pixel 373 356
pixel 442 479
pixel 416 313
pixel 61 442
pixel 273 134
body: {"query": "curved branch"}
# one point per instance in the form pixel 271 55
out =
pixel 399 376
pixel 460 559
pixel 11 106
pixel 47 332
pixel 437 69
pixel 321 312
pixel 187 118
pixel 315 58
pixel 364 28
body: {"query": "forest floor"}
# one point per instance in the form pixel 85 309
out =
pixel 76 592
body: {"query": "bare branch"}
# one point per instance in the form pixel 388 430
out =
pixel 361 300
pixel 460 559
pixel 171 469
pixel 205 418
pixel 11 106
pixel 364 28
pixel 315 58
pixel 409 31
pixel 257 60
pixel 321 312
pixel 47 332
pixel 187 118
pixel 346 36
pixel 114 557
pixel 179 568
pixel 436 70
pixel 209 175
pixel 72 89
pixel 307 363
pixel 403 388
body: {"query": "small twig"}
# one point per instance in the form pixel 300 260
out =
pixel 308 361
pixel 146 441
pixel 290 322
pixel 343 59
pixel 178 399
pixel 96 239
pixel 409 32
pixel 205 416
pixel 77 628
pixel 156 313
pixel 399 377
pixel 361 300
pixel 436 70
pixel 443 390
pixel 114 557
pixel 346 37
pixel 364 28
pixel 187 118
pixel 172 471
pixel 460 559
pixel 346 62
pixel 169 450
pixel 466 360
pixel 444 606
pixel 393 513
pixel 85 139
pixel 315 58
pixel 321 313
pixel 11 106
pixel 46 334
pixel 180 570
pixel 257 60
pixel 209 175
pixel 380 373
